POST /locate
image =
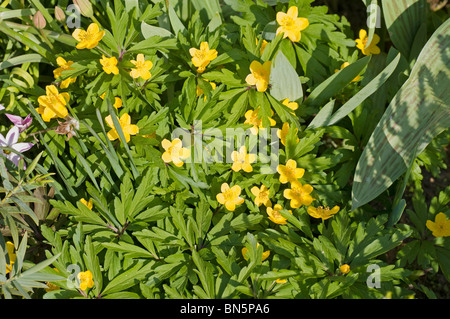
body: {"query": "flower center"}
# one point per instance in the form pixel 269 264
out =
pixel 276 214
pixel 323 211
pixel 201 55
pixel 287 22
pixel 263 195
pixel 365 41
pixel 228 195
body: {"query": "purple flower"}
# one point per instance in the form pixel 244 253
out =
pixel 1 107
pixel 19 122
pixel 11 141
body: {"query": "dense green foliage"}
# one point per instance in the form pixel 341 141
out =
pixel 369 137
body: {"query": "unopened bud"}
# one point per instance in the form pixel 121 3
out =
pixel 85 7
pixel 345 269
pixel 59 14
pixel 39 20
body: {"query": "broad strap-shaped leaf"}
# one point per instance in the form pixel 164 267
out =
pixel 403 19
pixel 284 80
pixel 418 112
pixel 324 118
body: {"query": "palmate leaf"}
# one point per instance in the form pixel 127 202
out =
pixel 418 113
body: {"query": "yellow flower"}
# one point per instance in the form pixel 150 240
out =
pixel 127 128
pixel 230 196
pixel 321 212
pixel 63 66
pixel 289 172
pixel 345 269
pixel 174 152
pixel 291 25
pixel 200 90
pixel 362 42
pixel 242 160
pixel 299 194
pixel 440 227
pixel 261 196
pixel 53 104
pixel 201 58
pixel 292 105
pixel 275 216
pixel 260 75
pixel 252 118
pixel 265 254
pixel 109 65
pixel 89 204
pixel 281 281
pixel 344 65
pixel 283 133
pixel 117 101
pixel 142 68
pixel 50 286
pixel 11 256
pixel 85 280
pixel 263 45
pixel 88 39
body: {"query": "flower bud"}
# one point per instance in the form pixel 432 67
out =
pixel 345 269
pixel 39 20
pixel 59 14
pixel 85 7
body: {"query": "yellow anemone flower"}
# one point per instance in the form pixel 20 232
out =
pixel 63 66
pixel 89 204
pixel 229 196
pixel 90 38
pixel 85 280
pixel 200 90
pixel 11 256
pixel 265 254
pixel 299 194
pixel 283 133
pixel 344 65
pixel 361 43
pixel 260 75
pixel 275 216
pixel 322 212
pixel 242 160
pixel 201 58
pixel 261 196
pixel 53 104
pixel 291 25
pixel 175 152
pixel 263 45
pixel 440 227
pixel 292 105
pixel 142 68
pixel 251 117
pixel 109 65
pixel 289 172
pixel 127 128
pixel 117 101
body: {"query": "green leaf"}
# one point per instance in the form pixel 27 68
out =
pixel 149 31
pixel 403 20
pixel 125 280
pixel 176 23
pixel 335 83
pixel 284 80
pixel 19 60
pixel 356 100
pixel 419 112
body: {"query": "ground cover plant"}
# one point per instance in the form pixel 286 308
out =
pixel 224 149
